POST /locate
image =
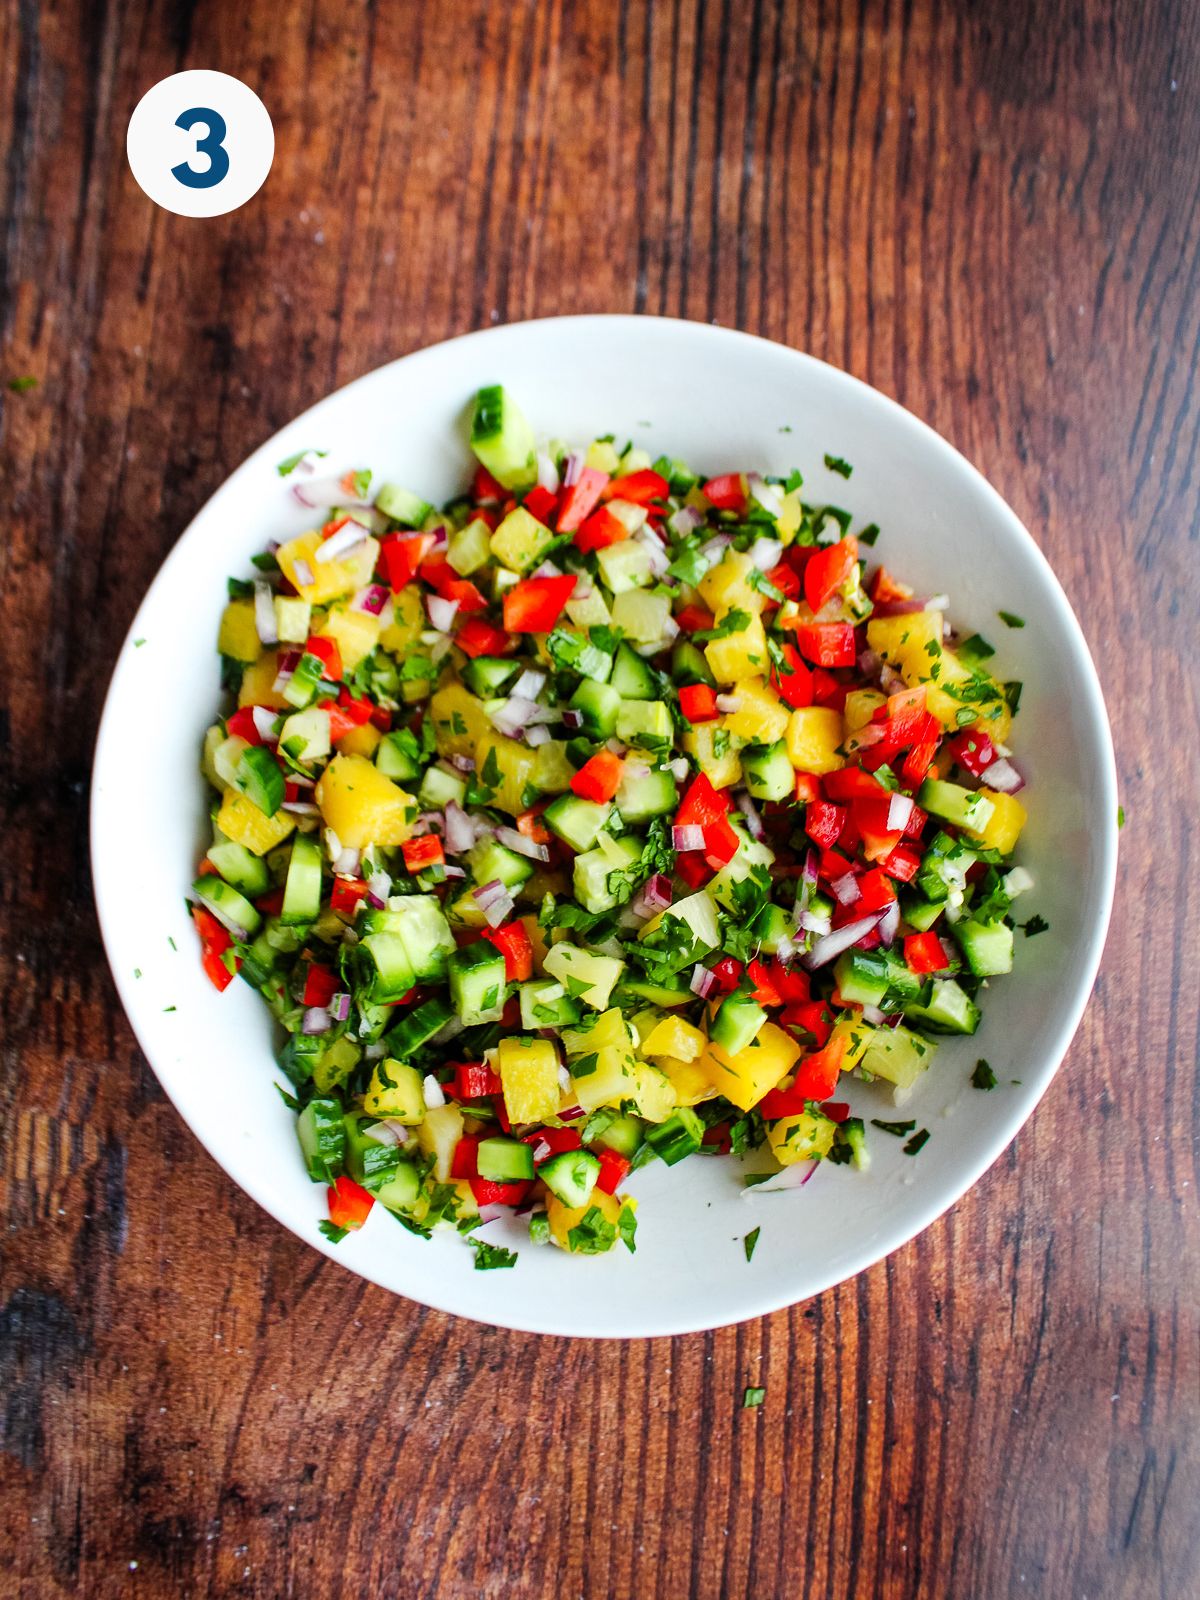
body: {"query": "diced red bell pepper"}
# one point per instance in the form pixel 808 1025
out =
pixel 488 1193
pixel 599 778
pixel 639 487
pixel 811 1016
pixel 485 487
pixel 402 554
pixel 359 710
pixel 785 580
pixel 828 570
pixel 903 714
pixel 727 971
pixel 823 823
pixel 796 684
pixel 817 1075
pixel 833 865
pixel 871 819
pixel 478 638
pixel 271 904
pixel 513 942
pixel 214 942
pixel 320 985
pixel 778 1103
pixel 327 652
pixel 441 576
pixel 241 725
pixel 875 893
pixel 424 851
pixel 852 783
pixel 540 503
pixel 600 530
pixel 577 502
pixel 727 492
pixel 827 691
pixel 808 788
pixel 501 1110
pixel 510 1017
pixel 695 618
pixel 559 1140
pixel 535 604
pixel 464 1163
pixel 346 895
pixel 349 1204
pixel 475 1080
pixel 721 843
pixel 701 804
pixel 903 864
pixel 764 990
pixel 915 825
pixel 920 758
pixel 613 1169
pixel 693 869
pixel 883 588
pixel 698 702
pixel 836 1110
pixel 924 952
pixel 531 825
pixel 826 644
pixel 972 750
pixel 791 984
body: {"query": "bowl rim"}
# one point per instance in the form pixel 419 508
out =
pixel 1005 1125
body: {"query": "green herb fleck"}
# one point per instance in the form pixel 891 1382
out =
pixel 292 462
pixel 869 534
pixel 332 1232
pixel 490 1257
pixel 289 1100
pixel 976 648
pixel 22 385
pixel 168 1008
pixel 899 1129
pixel 1011 619
pixel 138 643
pixel 983 1077
pixel 917 1142
pixel 1120 816
pixel 753 1398
pixel 1034 926
pixel 838 465
pixel 627 1228
pixel 749 1242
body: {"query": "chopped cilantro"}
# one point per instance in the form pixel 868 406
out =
pixel 627 1228
pixel 1120 816
pixel 838 465
pixel 138 643
pixel 983 1077
pixel 23 384
pixel 290 463
pixel 1011 618
pixel 490 1257
pixel 976 648
pixel 1034 926
pixel 332 1232
pixel 593 1234
pixel 899 1129
pixel 869 534
pixel 917 1142
pixel 749 1242
pixel 289 1100
pixel 732 622
pixel 361 483
pixel 752 1398
pixel 760 581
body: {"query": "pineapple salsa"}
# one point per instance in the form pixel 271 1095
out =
pixel 610 815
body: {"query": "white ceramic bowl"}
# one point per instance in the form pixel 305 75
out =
pixel 720 400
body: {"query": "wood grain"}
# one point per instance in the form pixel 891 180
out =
pixel 992 213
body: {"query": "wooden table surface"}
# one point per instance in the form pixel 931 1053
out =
pixel 991 213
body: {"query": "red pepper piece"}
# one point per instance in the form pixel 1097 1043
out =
pixel 349 1204
pixel 577 502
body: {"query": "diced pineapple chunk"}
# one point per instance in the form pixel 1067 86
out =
pixel 861 705
pixel 258 684
pixel 238 635
pixel 813 736
pixel 653 1092
pixel 330 579
pixel 470 547
pixel 800 1138
pixel 552 771
pixel 602 456
pixel 904 639
pixel 507 768
pixel 397 1091
pixel 459 720
pixel 738 655
pixel 992 716
pixel 640 616
pixel 726 586
pixel 675 1037
pixel 437 1136
pixel 1003 827
pixel 760 718
pixel 610 1028
pixel 519 540
pixel 529 1073
pixel 361 741
pixel 605 1076
pixel 563 1218
pixel 362 806
pixel 745 1077
pixel 590 976
pixel 355 632
pixel 688 1079
pixel 240 819
pixel 408 619
pixel 723 770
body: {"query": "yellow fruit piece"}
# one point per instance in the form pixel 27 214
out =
pixel 738 655
pixel 653 1092
pixel 362 806
pixel 760 719
pixel 397 1091
pixel 907 638
pixel 688 1079
pixel 745 1077
pixel 1003 827
pixel 858 1035
pixel 330 579
pixel 800 1138
pixel 602 457
pixel 336 1064
pixel 464 911
pixel 516 764
pixel 408 619
pixel 519 540
pixel 992 716
pixel 552 772
pixel 722 770
pixel 861 705
pixel 675 1037
pixel 563 1218
pixel 459 720
pixel 529 1072
pixel 725 587
pixel 610 1028
pixel 537 939
pixel 240 819
pixel 813 737
pixel 355 633
pixel 363 741
pixel 238 634
pixel 258 684
pixel 437 1136
pixel 787 524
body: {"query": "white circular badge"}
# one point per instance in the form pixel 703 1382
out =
pixel 200 143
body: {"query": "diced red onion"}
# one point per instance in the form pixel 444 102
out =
pixel 845 889
pixel 937 602
pixel 1002 776
pixel 449 1030
pixel 264 612
pixel 316 1020
pixel 429 822
pixel 703 982
pixel 814 922
pixel 300 808
pixel 678 768
pixel 572 718
pixel 441 612
pixel 829 947
pixel 540 1152
pixel 441 538
pixel 299 779
pixel 383 1133
pixel 874 1016
pixel 493 1212
pixel 345 863
pixel 785 951
pixel 339 1006
pixel 1018 881
pixel 340 544
pixel 511 839
pixel 614 747
pixel 863 738
pixel 655 895
pixel 900 810
pixel 231 924
pixel 571 468
pixel 570 1114
pixel 530 684
pixel 890 680
pixel 767 494
pixel 753 821
pixel 716 546
pixel 765 554
pixel 370 600
pixel 307 463
pixel 655 550
pixel 511 715
pixel 538 734
pixel 451 871
pixel 463 763
pixel 684 521
pixel 889 923
pixel 637 770
pixel 869 663
pixel 688 837
pixel 460 830
pixel 547 472
pixel 319 493
pixel 548 569
pixel 900 608
pixel 564 1077
pixel 494 900
pixel 264 720
pixel 434 1093
pixel 793 1177
pixel 380 885
pixel 729 702
pixel 305 576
